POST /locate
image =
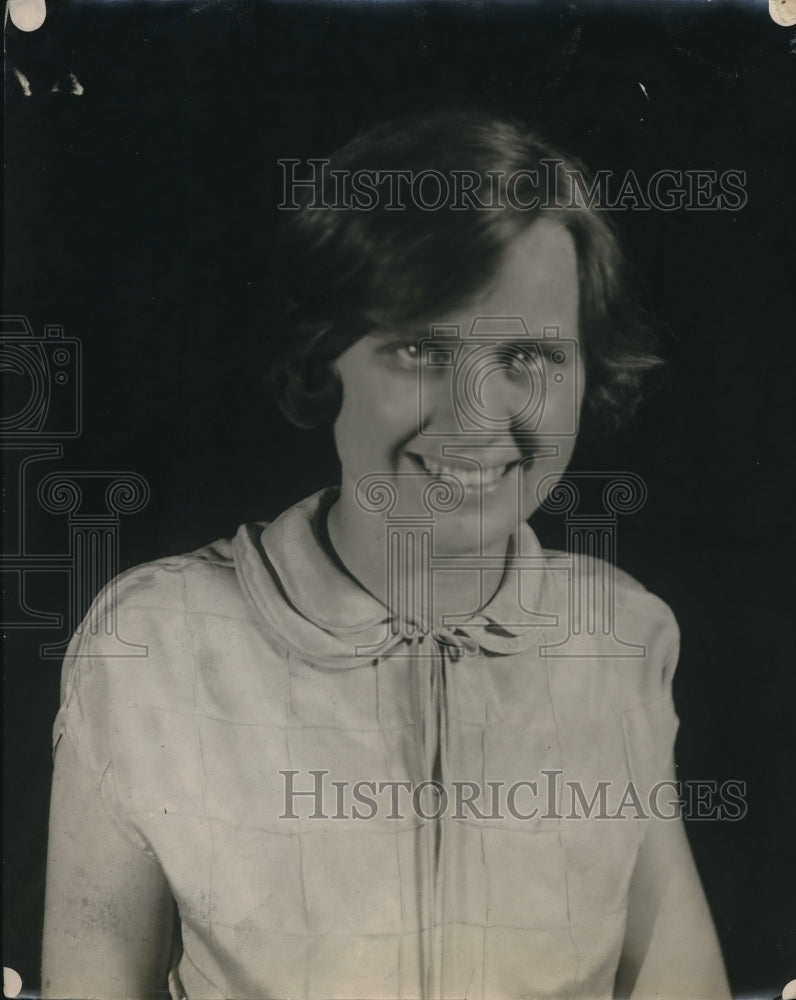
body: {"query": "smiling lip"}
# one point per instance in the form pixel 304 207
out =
pixel 482 476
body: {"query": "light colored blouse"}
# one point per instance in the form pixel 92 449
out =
pixel 260 670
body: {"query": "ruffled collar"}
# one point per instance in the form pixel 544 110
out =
pixel 309 605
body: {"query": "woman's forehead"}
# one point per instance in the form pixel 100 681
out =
pixel 539 263
pixel 534 287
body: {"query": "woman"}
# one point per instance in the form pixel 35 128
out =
pixel 339 770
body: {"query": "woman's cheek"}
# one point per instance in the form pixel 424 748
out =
pixel 393 405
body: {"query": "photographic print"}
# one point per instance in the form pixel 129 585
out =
pixel 397 471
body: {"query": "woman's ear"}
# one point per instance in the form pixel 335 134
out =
pixel 310 393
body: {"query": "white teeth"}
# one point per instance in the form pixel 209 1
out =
pixel 467 476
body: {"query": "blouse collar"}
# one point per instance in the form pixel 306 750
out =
pixel 311 607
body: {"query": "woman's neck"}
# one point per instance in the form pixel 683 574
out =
pixel 402 575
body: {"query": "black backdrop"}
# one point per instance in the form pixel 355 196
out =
pixel 138 216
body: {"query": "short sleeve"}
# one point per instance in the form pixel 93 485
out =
pixel 650 721
pixel 107 667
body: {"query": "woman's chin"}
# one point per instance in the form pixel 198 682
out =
pixel 475 530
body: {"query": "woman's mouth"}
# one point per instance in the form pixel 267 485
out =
pixel 470 475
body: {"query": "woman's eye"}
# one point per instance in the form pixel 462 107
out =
pixel 516 360
pixel 406 355
pixel 525 357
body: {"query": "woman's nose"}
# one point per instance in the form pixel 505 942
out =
pixel 490 388
pixel 504 386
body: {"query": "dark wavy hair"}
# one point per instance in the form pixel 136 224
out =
pixel 342 272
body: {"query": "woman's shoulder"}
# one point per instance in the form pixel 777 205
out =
pixel 601 575
pixel 144 626
pixel 203 581
pixel 152 627
pixel 612 616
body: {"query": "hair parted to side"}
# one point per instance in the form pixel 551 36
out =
pixel 343 272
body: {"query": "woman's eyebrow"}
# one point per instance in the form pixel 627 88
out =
pixel 408 336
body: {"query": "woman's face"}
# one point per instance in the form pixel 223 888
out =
pixel 487 408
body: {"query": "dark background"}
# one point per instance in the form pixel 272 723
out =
pixel 139 215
